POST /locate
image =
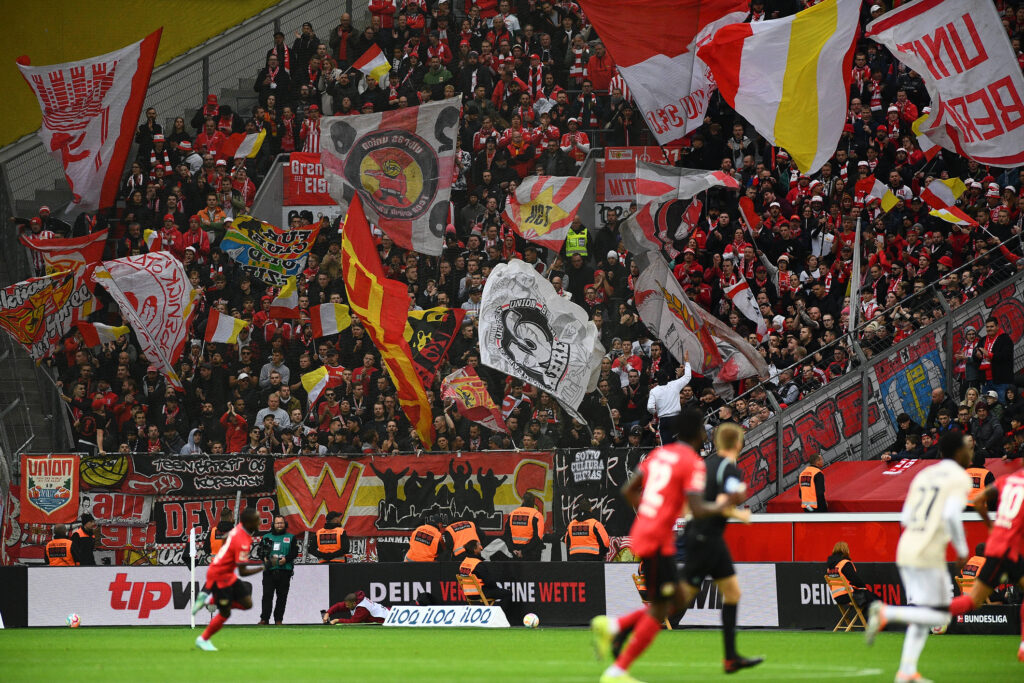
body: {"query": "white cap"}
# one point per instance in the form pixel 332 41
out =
pixel 876 8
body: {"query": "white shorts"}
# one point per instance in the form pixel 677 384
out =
pixel 927 586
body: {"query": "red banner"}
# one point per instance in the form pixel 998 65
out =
pixel 304 181
pixel 388 496
pixel 619 184
pixel 49 489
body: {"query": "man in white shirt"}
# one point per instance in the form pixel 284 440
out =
pixel 663 401
pixel 931 520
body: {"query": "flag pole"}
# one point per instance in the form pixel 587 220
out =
pixel 855 283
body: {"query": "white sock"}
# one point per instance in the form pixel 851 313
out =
pixel 916 615
pixel 614 671
pixel 613 626
pixel 913 643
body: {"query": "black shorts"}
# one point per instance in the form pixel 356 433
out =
pixel 660 577
pixel 999 570
pixel 236 592
pixel 706 556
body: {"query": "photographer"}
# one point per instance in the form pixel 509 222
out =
pixel 278 550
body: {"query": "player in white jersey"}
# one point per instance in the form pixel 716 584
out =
pixel 931 520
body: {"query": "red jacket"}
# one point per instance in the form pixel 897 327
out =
pixel 601 70
pixel 236 432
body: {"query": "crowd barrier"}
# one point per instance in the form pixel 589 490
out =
pixel 775 595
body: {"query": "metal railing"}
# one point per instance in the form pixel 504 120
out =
pixel 179 87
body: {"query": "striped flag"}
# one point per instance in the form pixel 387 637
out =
pixel 223 329
pixel 543 208
pixel 97 334
pixel 373 63
pixel 286 304
pixel 941 196
pixel 72 253
pixel 870 188
pixel 323 377
pixel 242 145
pixel 752 222
pixel 382 305
pixel 658 182
pixel 928 146
pixel 743 299
pixel 785 76
pixel 328 319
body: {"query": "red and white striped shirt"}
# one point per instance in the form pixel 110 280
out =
pixel 310 135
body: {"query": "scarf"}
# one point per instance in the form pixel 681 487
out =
pixel 876 95
pixel 535 81
pixel 225 124
pixel 283 55
pixel 578 70
pixel 153 160
pixel 588 107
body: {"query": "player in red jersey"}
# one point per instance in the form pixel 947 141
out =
pixel 671 478
pixel 1003 561
pixel 223 588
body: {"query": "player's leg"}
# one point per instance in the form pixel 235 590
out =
pixel 927 588
pixel 222 598
pixel 662 592
pixel 991 574
pixel 241 595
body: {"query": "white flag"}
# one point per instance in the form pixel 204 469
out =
pixel 743 299
pixel 529 332
pixel 661 183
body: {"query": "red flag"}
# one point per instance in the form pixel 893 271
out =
pixel 68 254
pixel 471 398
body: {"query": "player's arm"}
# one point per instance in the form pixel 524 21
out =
pixel 955 527
pixel 633 490
pixel 250 569
pixel 983 500
pixel 702 508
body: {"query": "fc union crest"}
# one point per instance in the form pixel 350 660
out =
pixel 49 486
pixel 397 171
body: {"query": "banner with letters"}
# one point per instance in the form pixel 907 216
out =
pixel 267 252
pixel 175 515
pixel 185 475
pixel 114 508
pixel 596 475
pixel 38 312
pixel 388 496
pixel 304 182
pixel 49 489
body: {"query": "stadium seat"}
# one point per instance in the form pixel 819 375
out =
pixel 641 588
pixel 851 617
pixel 473 591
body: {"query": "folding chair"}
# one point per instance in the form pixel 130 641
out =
pixel 851 616
pixel 641 587
pixel 473 591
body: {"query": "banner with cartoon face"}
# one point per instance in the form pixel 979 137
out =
pixel 528 331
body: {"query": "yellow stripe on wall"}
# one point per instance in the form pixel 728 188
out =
pixel 796 124
pixel 59 31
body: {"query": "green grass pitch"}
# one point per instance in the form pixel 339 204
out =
pixel 558 655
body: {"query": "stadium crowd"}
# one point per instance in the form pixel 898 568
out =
pixel 539 90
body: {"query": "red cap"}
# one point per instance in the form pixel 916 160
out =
pixel 313 107
pixel 535 56
pixel 848 128
pixel 946 261
pixel 211 99
pixel 35 220
pixel 169 217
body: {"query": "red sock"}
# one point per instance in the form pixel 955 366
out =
pixel 238 605
pixel 643 633
pixel 628 621
pixel 961 605
pixel 215 625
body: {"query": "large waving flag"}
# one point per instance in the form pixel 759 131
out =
pixel 323 377
pixel 97 334
pixel 430 334
pixel 68 254
pixel 268 252
pixel 382 305
pixel 529 332
pixel 156 300
pixel 661 183
pixel 90 110
pixel 401 164
pixel 38 312
pixel 655 51
pixel 941 196
pixel 651 228
pixel 328 319
pixel 976 87
pixel 373 63
pixel 472 399
pixel 223 329
pixel 785 76
pixel 543 207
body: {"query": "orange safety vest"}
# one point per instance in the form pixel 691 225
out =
pixel 973 566
pixel 584 537
pixel 329 541
pixel 808 491
pixel 423 544
pixel 468 565
pixel 216 542
pixel 837 571
pixel 978 476
pixel 462 532
pixel 520 523
pixel 58 553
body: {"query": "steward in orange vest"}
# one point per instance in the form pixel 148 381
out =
pixel 458 534
pixel 58 551
pixel 215 539
pixel 425 542
pixel 331 541
pixel 839 563
pixel 812 486
pixel 83 543
pixel 586 538
pixel 980 480
pixel 524 530
pixel 475 565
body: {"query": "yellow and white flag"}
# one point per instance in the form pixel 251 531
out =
pixel 373 63
pixel 941 196
pixel 328 319
pixel 785 76
pixel 223 329
pixel 316 381
pixel 97 334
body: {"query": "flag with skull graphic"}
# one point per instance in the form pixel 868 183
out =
pixel 529 331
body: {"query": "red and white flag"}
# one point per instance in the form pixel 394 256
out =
pixel 223 329
pixel 401 163
pixel 286 304
pixel 543 207
pixel 68 254
pixel 469 393
pixel 743 299
pixel 656 53
pixel 962 52
pixel 90 110
pixel 651 228
pixel 96 334
pixel 658 182
pixel 328 319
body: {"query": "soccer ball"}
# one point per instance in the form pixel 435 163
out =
pixel 531 620
pixel 939 630
pixel 73 620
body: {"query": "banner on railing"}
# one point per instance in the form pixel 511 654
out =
pixel 596 475
pixel 184 475
pixel 49 488
pixel 304 182
pixel 382 496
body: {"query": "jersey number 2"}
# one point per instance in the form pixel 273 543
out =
pixel 658 476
